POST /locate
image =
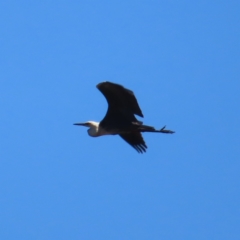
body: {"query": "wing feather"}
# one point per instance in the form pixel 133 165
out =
pixel 118 96
pixel 136 140
pixel 122 105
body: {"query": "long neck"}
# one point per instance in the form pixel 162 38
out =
pixel 93 131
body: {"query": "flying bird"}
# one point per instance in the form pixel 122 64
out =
pixel 120 117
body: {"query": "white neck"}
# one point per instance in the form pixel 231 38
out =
pixel 93 129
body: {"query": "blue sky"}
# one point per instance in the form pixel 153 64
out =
pixel 181 59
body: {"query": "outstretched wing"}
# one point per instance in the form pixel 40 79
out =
pixel 136 140
pixel 122 105
pixel 120 97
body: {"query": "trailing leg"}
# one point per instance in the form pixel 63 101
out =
pixel 145 128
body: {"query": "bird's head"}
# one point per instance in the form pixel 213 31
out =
pixel 87 124
pixel 93 127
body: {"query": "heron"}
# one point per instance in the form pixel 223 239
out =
pixel 120 117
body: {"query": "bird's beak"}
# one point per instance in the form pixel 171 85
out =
pixel 80 124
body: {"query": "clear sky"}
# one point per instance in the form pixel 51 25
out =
pixel 181 59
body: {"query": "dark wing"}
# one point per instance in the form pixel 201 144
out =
pixel 122 104
pixel 136 140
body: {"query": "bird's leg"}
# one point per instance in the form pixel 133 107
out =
pixel 163 130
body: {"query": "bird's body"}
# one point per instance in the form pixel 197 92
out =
pixel 120 117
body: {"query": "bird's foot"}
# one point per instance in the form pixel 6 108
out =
pixel 163 130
